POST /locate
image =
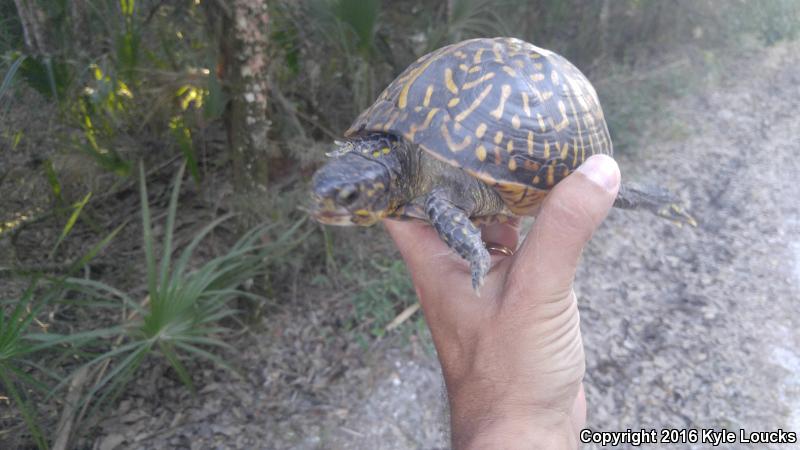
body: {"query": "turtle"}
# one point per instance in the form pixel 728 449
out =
pixel 472 133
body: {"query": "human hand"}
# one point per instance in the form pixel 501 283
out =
pixel 513 359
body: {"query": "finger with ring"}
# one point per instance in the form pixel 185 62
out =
pixel 499 249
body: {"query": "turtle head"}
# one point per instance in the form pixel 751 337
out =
pixel 354 188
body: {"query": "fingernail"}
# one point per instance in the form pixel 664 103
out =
pixel 602 170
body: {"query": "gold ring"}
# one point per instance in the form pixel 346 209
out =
pixel 499 249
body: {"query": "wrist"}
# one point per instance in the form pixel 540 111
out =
pixel 552 431
pixel 496 419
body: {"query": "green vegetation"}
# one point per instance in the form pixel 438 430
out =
pixel 20 347
pixel 384 289
pixel 181 318
pixel 183 309
pixel 93 90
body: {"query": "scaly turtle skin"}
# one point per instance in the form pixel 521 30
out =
pixel 471 133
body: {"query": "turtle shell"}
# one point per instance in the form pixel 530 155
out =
pixel 518 117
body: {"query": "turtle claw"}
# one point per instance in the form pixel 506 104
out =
pixel 677 215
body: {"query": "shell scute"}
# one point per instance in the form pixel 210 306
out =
pixel 516 116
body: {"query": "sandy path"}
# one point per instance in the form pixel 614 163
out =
pixel 699 328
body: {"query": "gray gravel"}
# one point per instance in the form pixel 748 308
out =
pixel 683 328
pixel 698 328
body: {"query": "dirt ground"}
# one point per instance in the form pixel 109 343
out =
pixel 683 328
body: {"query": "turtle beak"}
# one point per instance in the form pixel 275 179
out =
pixel 328 218
pixel 326 212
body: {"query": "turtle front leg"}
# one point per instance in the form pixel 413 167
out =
pixel 457 230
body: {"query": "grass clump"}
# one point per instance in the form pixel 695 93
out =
pixel 21 344
pixel 180 318
pixel 185 315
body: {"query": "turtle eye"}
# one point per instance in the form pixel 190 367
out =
pixel 348 195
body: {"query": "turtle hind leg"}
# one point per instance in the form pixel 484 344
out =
pixel 455 228
pixel 659 201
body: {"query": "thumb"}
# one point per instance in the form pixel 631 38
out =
pixel 548 258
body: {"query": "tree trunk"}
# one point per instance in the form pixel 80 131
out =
pixel 244 39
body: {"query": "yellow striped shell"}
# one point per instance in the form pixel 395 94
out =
pixel 518 117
